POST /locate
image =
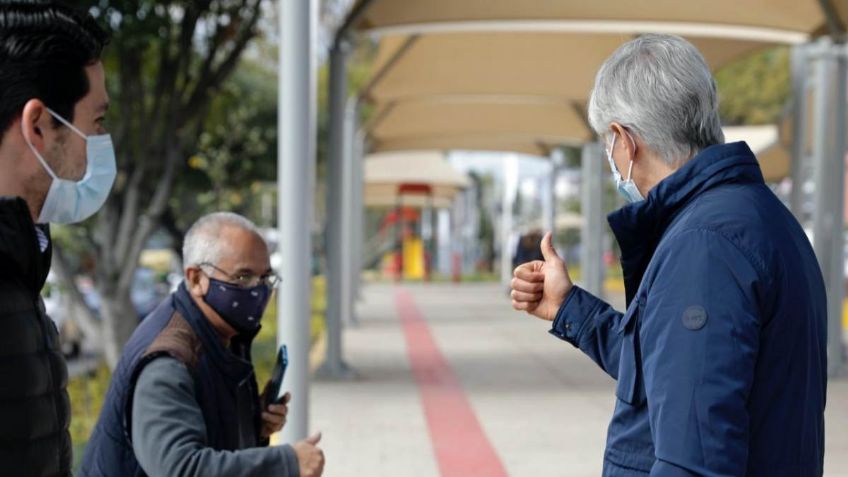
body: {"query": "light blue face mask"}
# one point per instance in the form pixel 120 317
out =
pixel 626 188
pixel 68 202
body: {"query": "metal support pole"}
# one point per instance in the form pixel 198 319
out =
pixel 348 217
pixel 337 193
pixel 444 233
pixel 458 219
pixel 475 216
pixel 800 75
pixel 427 235
pixel 398 239
pixel 510 188
pixel 836 345
pixel 546 194
pixel 591 235
pixel 549 219
pixel 829 153
pixel 358 215
pixel 296 181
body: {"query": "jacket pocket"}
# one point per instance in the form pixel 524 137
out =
pixel 630 387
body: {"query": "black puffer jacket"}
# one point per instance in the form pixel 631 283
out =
pixel 34 405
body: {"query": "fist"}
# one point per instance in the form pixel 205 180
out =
pixel 310 458
pixel 274 416
pixel 540 287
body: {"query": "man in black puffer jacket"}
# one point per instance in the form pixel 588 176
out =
pixel 57 165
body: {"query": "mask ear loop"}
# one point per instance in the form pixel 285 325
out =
pixel 612 145
pixel 66 123
pixel 630 169
pixel 612 165
pixel 37 154
pixel 78 132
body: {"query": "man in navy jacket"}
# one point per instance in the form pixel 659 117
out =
pixel 720 357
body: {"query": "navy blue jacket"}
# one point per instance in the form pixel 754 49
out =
pixel 721 356
pixel 224 380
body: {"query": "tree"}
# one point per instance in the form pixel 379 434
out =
pixel 166 61
pixel 234 159
pixel 754 89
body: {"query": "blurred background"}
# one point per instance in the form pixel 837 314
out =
pixel 444 138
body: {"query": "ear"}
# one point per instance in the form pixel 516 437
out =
pixel 625 141
pixel 35 123
pixel 196 282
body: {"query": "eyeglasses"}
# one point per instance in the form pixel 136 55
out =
pixel 247 280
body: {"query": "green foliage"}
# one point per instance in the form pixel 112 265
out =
pixel 754 90
pixel 233 162
pixel 166 62
pixel 265 345
pixel 87 393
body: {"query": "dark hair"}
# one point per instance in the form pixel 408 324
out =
pixel 44 49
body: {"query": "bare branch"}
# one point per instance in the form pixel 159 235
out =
pixel 163 77
pixel 200 8
pixel 206 66
pixel 124 134
pixel 169 222
pixel 213 79
pixel 128 214
pixel 169 72
pixel 148 221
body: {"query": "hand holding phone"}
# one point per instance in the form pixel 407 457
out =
pixel 274 393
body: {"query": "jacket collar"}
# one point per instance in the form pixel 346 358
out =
pixel 639 227
pixel 20 255
pixel 234 362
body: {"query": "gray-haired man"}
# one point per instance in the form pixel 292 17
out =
pixel 184 400
pixel 720 355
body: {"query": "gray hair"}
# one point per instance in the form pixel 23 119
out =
pixel 201 243
pixel 661 89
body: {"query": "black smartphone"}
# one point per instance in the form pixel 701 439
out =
pixel 275 393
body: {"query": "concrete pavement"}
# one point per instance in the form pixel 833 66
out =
pixel 540 405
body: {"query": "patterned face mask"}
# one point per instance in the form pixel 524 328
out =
pixel 241 308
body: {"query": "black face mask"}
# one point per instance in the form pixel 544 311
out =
pixel 241 308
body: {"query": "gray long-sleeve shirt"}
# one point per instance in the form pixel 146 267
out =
pixel 169 433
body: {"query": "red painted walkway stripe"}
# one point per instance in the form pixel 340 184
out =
pixel 460 445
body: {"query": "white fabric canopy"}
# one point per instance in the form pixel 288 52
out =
pixel 515 76
pixel 495 91
pixel 757 17
pixel 385 173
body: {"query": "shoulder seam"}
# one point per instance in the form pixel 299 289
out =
pixel 753 260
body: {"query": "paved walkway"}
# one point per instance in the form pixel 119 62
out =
pixel 452 382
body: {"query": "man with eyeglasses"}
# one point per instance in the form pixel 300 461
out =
pixel 184 399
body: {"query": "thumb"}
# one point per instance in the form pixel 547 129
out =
pixel 548 249
pixel 315 439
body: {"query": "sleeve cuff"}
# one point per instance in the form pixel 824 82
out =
pixel 290 457
pixel 575 310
